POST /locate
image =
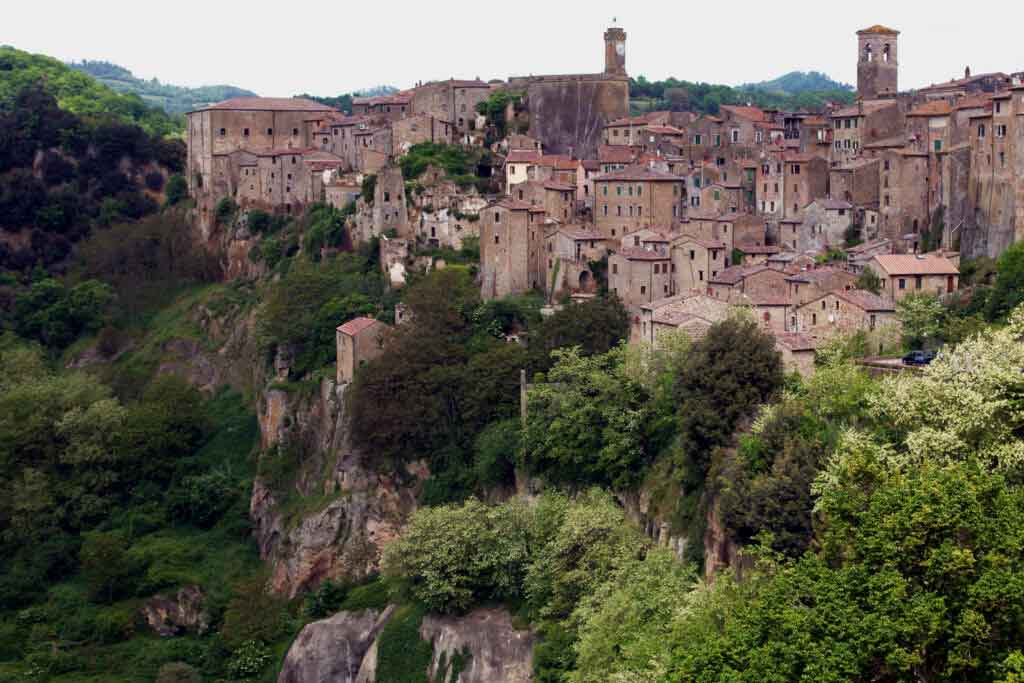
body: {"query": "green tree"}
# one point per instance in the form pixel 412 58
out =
pixel 1008 291
pixel 868 280
pixel 108 568
pixel 922 318
pixel 595 326
pixel 726 375
pixel 176 189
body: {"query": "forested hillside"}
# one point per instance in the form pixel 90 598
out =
pixel 791 92
pixel 77 92
pixel 174 99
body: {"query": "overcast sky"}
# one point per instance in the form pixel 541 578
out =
pixel 329 48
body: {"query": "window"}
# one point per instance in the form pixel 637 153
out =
pixel 605 188
pixel 325 140
pixel 718 141
pixel 615 269
pixel 887 163
pixel 814 318
pixel 387 196
pixel 496 239
pixel 630 190
pixel 887 202
pixel 1001 131
pixel 245 132
pixel 618 210
pixel 823 305
pixel 796 169
pixel 938 145
pixel 917 281
pixel 497 217
pixel 981 131
pixel 640 210
pixel 618 190
pixel 643 289
pixel 902 283
pixel 1002 159
pixel 640 190
pixel 735 136
pixel 697 139
pixel 605 209
pixel 700 275
pixel 999 107
pixel 693 254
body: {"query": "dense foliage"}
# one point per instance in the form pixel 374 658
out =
pixel 704 98
pixel 77 92
pixel 82 185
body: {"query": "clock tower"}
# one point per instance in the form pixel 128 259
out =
pixel 615 52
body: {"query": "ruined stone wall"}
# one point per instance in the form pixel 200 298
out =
pixel 568 113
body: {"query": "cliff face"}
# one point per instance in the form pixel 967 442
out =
pixel 343 648
pixel 347 509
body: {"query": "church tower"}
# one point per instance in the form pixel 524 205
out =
pixel 615 52
pixel 877 63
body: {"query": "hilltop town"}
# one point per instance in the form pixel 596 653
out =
pixel 681 215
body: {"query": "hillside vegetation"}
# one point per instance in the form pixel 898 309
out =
pixel 791 92
pixel 78 93
pixel 174 99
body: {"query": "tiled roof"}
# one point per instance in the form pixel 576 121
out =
pixel 834 204
pixel 958 82
pixel 707 244
pixel 865 107
pixel 357 325
pixel 818 275
pixel 269 104
pixel 520 156
pixel 767 300
pixel 912 264
pixel 865 300
pixel 397 98
pixel 296 151
pixel 878 29
pixel 578 234
pixel 866 246
pixel 894 141
pixel 559 187
pixel 512 204
pixel 639 174
pixel 561 162
pixel 749 113
pixel 735 274
pixel 973 102
pixel 802 158
pixel 616 154
pixel 643 119
pixel 634 254
pixel 664 130
pixel 936 108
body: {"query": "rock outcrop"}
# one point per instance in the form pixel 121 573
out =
pixel 495 650
pixel 173 616
pixel 362 508
pixel 343 649
pixel 332 650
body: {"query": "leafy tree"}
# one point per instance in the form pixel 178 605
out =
pixel 595 326
pixel 921 316
pixel 176 189
pixel 588 422
pixel 455 557
pixel 869 281
pixel 55 315
pixel 1008 291
pixel 253 615
pixel 728 373
pixel 107 566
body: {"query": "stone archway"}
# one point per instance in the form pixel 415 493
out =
pixel 586 281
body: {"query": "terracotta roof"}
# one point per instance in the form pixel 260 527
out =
pixel 735 274
pixel 865 300
pixel 973 102
pixel 296 151
pixel 767 300
pixel 894 141
pixel 818 274
pixel 815 121
pixel 560 187
pixel 639 174
pixel 862 108
pixel 878 29
pixel 865 246
pixel 562 162
pixel 634 254
pixel 676 317
pixel 834 204
pixel 519 156
pixel 749 113
pixel 958 82
pixel 707 244
pixel 512 204
pixel 397 98
pixel 642 119
pixel 936 108
pixel 616 154
pixel 269 104
pixel 802 158
pixel 591 165
pixel 911 264
pixel 357 325
pixel 795 342
pixel 664 130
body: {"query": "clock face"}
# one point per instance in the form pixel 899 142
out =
pixel 620 48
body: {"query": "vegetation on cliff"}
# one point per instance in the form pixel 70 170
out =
pixel 704 98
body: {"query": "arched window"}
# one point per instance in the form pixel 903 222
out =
pixel 868 54
pixel 885 54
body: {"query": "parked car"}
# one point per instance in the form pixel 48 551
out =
pixel 919 358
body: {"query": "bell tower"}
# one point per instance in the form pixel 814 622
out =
pixel 877 63
pixel 615 52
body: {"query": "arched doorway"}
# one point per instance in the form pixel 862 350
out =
pixel 586 281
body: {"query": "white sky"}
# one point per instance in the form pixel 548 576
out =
pixel 329 48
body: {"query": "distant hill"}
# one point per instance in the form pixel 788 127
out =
pixel 78 92
pixel 174 99
pixel 798 82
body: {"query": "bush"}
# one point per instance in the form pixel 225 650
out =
pixel 1008 291
pixel 177 189
pixel 225 210
pixel 202 499
pixel 248 660
pixel 402 656
pixel 253 614
pixel 325 600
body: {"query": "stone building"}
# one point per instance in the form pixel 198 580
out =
pixel 635 198
pixel 904 274
pixel 452 100
pixel 690 312
pixel 568 113
pixel 904 193
pixel 739 284
pixel 812 283
pixel 856 182
pixel 797 352
pixel 824 225
pixel 390 209
pixel 864 123
pixel 511 249
pixel 358 341
pixel 418 128
pixel 805 177
pixel 844 312
pixel 639 276
pixel 390 107
pixel 696 261
pixel 878 63
pixel 569 252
